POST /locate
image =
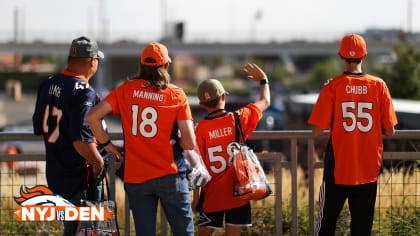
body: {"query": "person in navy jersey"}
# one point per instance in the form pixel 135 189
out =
pixel 74 160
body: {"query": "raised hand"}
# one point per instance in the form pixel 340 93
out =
pixel 254 72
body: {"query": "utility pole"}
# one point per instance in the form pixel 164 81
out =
pixel 409 17
pixel 16 25
pixel 102 75
pixel 165 19
pixel 90 14
pixel 16 36
pixel 103 22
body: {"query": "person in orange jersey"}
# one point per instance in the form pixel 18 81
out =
pixel 214 134
pixel 11 150
pixel 358 110
pixel 157 126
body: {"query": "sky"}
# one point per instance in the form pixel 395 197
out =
pixel 210 20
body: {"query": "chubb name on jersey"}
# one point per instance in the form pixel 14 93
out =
pixel 352 89
pixel 148 95
pixel 222 132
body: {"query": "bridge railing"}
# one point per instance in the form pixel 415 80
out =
pixel 300 151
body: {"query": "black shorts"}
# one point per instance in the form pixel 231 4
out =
pixel 239 216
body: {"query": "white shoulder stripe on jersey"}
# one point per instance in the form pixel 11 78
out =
pixel 321 207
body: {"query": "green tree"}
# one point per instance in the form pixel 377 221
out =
pixel 403 77
pixel 279 74
pixel 324 70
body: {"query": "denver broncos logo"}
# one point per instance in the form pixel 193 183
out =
pixel 40 196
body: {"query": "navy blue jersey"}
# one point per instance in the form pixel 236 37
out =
pixel 62 104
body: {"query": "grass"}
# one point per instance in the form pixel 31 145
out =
pixel 397 205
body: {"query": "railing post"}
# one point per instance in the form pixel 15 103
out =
pixel 111 174
pixel 278 187
pixel 293 167
pixel 311 151
pixel 127 217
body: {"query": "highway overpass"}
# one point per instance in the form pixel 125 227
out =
pixel 199 49
pixel 125 55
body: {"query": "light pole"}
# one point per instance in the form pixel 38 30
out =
pixel 409 17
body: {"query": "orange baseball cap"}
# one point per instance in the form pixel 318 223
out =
pixel 156 51
pixel 352 46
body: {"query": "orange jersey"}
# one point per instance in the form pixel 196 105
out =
pixel 356 107
pixel 149 120
pixel 214 135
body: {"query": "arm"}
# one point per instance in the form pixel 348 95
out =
pixel 316 130
pixel 187 139
pixel 91 154
pixel 389 132
pixel 256 74
pixel 94 119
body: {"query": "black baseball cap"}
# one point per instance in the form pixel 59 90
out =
pixel 85 47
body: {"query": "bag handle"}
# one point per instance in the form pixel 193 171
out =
pixel 238 129
pixel 102 176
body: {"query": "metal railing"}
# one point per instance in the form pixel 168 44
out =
pixel 280 163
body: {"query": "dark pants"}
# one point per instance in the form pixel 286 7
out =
pixel 361 199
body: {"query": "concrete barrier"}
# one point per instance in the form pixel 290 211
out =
pixel 14 89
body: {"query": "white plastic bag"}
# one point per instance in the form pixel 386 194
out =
pixel 99 228
pixel 199 175
pixel 250 182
